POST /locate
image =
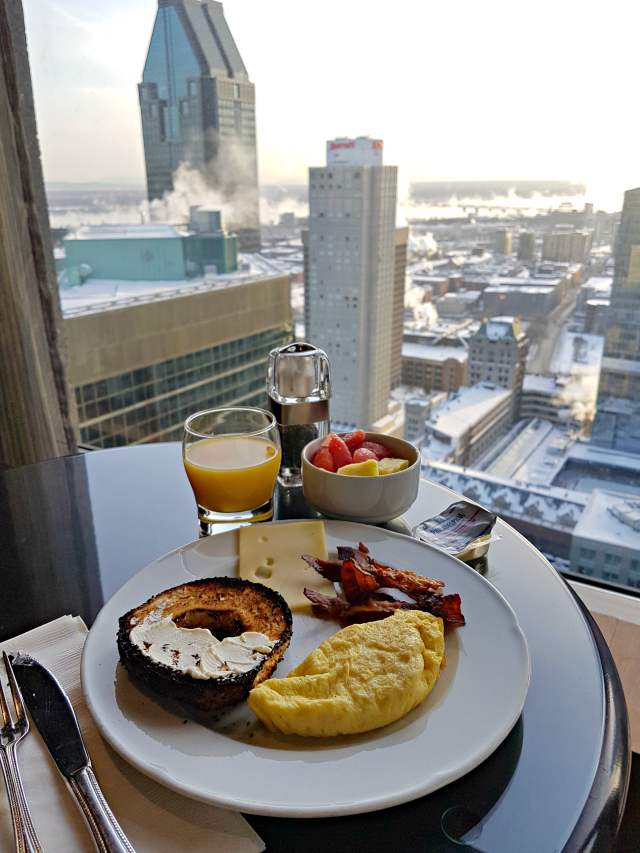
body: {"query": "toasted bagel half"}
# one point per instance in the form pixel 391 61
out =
pixel 227 607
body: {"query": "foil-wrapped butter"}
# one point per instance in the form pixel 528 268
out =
pixel 462 529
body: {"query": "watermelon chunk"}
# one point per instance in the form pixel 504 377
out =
pixel 362 454
pixel 340 452
pixel 353 440
pixel 324 459
pixel 380 450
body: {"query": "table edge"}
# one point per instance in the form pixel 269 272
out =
pixel 597 827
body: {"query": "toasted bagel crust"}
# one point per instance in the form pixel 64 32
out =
pixel 249 606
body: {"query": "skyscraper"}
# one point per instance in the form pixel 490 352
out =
pixel 616 420
pixel 502 241
pixel 620 375
pixel 198 108
pixel 350 277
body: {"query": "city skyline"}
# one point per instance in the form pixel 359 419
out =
pixel 86 63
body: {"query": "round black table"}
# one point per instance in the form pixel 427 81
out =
pixel 74 530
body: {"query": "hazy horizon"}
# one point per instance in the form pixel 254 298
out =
pixel 458 92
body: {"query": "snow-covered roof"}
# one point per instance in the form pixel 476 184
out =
pixel 466 408
pixel 430 352
pixel 599 524
pixel 533 383
pixel 107 294
pixel 591 453
pixel 551 507
pixel 125 232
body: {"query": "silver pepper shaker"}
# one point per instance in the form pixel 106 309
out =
pixel 299 388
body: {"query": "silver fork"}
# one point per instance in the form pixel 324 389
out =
pixel 10 736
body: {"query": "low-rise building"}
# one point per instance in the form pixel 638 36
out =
pixel 523 299
pixel 464 427
pixel 433 367
pixel 606 539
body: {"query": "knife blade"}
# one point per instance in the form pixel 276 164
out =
pixel 55 719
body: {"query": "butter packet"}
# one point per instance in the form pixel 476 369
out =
pixel 462 529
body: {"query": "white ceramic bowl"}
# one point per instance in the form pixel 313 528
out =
pixel 370 500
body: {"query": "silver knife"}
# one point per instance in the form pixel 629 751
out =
pixel 53 715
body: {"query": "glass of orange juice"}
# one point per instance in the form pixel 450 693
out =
pixel 232 458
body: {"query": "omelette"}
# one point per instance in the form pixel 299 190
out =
pixel 361 678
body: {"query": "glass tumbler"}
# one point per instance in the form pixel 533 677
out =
pixel 232 458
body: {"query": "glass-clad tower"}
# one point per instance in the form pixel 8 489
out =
pixel 620 376
pixel 198 108
pixel 617 421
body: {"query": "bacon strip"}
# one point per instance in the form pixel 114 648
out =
pixel 356 583
pixel 321 604
pixel 362 577
pixel 331 571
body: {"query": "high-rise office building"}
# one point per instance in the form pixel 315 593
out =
pixel 503 241
pixel 616 420
pixel 349 284
pixel 140 366
pixel 527 246
pixel 198 108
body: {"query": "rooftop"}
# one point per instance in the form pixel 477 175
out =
pixel 552 507
pixel 125 232
pixel 97 295
pixel 466 408
pixel 431 352
pixel 600 524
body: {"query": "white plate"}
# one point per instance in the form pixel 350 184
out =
pixel 235 763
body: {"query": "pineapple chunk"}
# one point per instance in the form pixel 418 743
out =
pixel 392 466
pixel 361 469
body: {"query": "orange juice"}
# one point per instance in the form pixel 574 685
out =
pixel 232 474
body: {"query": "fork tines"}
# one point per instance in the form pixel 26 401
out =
pixel 10 736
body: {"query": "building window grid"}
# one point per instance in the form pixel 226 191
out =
pixel 172 375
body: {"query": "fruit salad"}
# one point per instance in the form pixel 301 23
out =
pixel 354 456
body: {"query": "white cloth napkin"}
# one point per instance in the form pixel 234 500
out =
pixel 154 819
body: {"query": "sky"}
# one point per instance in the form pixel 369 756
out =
pixel 457 90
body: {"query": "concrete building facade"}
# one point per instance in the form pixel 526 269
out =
pixel 198 108
pixel 349 282
pixel 140 370
pixel 565 244
pixel 399 275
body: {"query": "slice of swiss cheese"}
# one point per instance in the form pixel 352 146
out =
pixel 272 555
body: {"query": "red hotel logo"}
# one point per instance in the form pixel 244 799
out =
pixel 335 145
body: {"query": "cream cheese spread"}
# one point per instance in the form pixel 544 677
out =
pixel 196 651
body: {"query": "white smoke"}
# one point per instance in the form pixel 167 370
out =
pixel 227 183
pixel 273 205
